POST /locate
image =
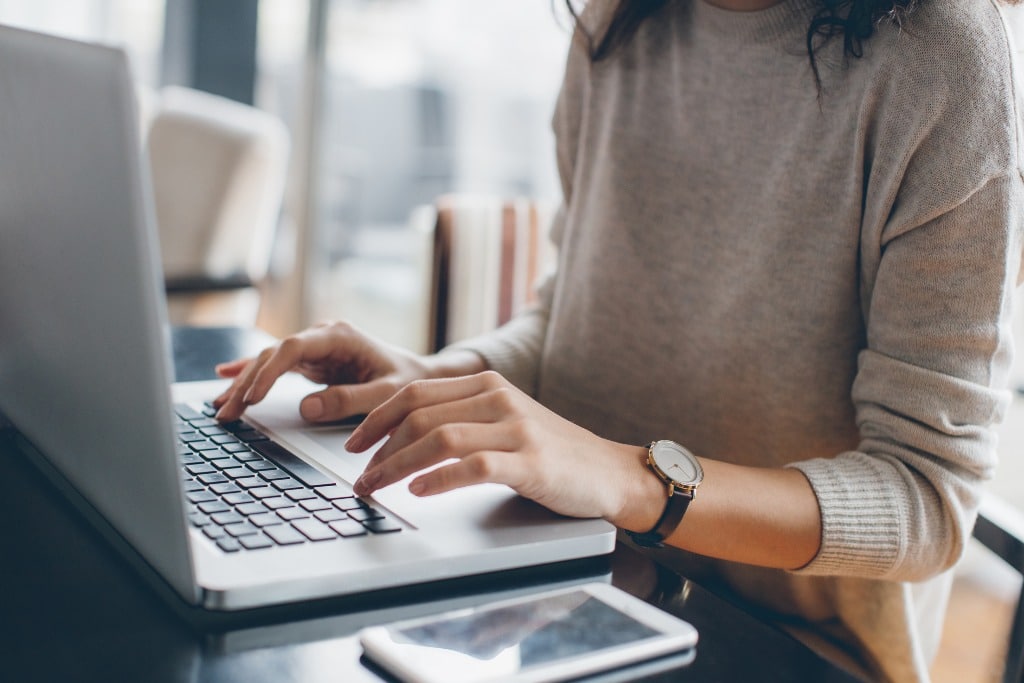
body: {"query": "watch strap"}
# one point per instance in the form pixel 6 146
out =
pixel 671 516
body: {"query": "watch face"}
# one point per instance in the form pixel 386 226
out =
pixel 677 463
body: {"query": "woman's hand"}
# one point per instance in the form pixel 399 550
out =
pixel 361 372
pixel 496 433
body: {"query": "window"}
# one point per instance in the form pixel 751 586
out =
pixel 418 99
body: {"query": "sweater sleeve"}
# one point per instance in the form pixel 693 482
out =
pixel 928 394
pixel 940 255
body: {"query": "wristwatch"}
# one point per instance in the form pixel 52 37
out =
pixel 680 470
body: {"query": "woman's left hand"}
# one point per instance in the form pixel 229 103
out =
pixel 496 433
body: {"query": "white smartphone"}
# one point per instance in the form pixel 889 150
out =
pixel 550 636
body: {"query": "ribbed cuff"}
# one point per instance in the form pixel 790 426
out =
pixel 862 515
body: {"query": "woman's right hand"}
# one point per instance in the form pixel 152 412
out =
pixel 361 372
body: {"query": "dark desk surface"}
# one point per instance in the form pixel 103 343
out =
pixel 73 610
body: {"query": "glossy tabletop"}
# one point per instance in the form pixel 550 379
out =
pixel 71 609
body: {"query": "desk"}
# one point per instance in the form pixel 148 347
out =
pixel 73 610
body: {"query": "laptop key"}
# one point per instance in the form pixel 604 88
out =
pixel 285 484
pixel 243 529
pixel 190 458
pixel 250 436
pixel 255 542
pixel 365 514
pixel 315 505
pixel 225 463
pixel 238 498
pixel 236 425
pixel 226 518
pixel 300 469
pixel 263 492
pixel 336 491
pixel 238 448
pixel 237 473
pixel 213 456
pixel 290 514
pixel 214 507
pixel 214 532
pixel 224 489
pixel 203 496
pixel 229 545
pixel 381 526
pixel 199 519
pixel 284 535
pixel 202 468
pixel 250 508
pixel 314 530
pixel 265 519
pixel 215 478
pixel 277 503
pixel 348 528
pixel 186 412
pixel 331 515
pixel 347 504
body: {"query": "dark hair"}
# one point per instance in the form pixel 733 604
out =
pixel 853 20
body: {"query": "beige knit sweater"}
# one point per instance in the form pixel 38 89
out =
pixel 775 279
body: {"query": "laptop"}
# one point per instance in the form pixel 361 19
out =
pixel 86 379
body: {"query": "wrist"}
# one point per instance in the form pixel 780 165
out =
pixel 643 495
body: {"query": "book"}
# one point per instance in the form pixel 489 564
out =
pixel 487 256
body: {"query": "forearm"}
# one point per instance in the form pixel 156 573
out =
pixel 760 516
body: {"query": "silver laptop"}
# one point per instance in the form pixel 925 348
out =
pixel 85 377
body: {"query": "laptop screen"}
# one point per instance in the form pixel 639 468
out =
pixel 84 369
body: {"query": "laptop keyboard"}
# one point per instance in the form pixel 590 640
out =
pixel 246 492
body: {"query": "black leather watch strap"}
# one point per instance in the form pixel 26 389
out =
pixel 675 508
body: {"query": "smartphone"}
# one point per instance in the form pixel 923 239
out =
pixel 551 636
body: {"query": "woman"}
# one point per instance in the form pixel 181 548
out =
pixel 789 241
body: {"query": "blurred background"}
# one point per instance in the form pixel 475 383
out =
pixel 389 104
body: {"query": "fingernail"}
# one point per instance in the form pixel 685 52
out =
pixel 312 408
pixel 355 442
pixel 417 487
pixel 367 482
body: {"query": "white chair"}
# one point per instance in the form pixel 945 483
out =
pixel 218 170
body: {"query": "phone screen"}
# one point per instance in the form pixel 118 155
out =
pixel 521 636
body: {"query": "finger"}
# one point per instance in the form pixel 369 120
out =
pixel 476 468
pixel 453 440
pixel 309 346
pixel 232 368
pixel 415 395
pixel 338 402
pixel 233 400
pixel 433 420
